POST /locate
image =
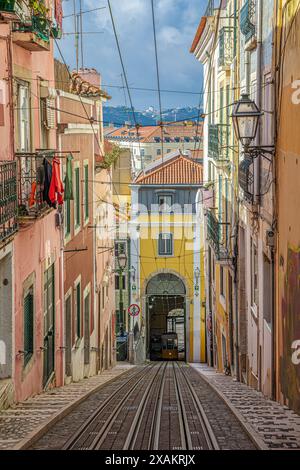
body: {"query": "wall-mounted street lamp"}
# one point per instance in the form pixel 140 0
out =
pixel 122 261
pixel 197 278
pixel 245 118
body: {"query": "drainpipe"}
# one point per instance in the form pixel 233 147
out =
pixel 257 169
pixel 248 71
pixel 273 360
pixel 61 273
pixel 257 161
pixel 236 221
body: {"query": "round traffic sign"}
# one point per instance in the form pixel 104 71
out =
pixel 134 310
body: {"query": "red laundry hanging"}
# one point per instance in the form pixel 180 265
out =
pixel 56 186
pixel 32 199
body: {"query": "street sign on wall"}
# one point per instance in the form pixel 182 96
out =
pixel 134 310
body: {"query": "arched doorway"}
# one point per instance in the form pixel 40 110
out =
pixel 166 308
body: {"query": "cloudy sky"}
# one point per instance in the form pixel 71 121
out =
pixel 176 24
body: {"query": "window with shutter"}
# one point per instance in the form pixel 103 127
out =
pixel 78 310
pixel 77 198
pixel 28 326
pixel 86 192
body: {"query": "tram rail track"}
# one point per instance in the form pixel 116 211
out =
pixel 157 407
pixel 96 416
pixel 165 414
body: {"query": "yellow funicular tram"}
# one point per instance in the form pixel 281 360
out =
pixel 169 346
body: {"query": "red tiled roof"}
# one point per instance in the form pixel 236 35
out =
pixel 181 170
pixel 81 87
pixel 198 34
pixel 149 133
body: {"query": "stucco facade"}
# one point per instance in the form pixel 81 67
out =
pixel 27 75
pixel 288 199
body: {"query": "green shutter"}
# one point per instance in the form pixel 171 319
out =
pixel 86 189
pixel 77 196
pixel 28 327
pixel 78 309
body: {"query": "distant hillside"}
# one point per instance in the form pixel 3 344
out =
pixel 118 115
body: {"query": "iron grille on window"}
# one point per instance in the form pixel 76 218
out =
pixel 215 232
pixel 8 199
pixel 246 178
pixel 247 19
pixel 226 46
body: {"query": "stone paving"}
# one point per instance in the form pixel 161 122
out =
pixel 272 425
pixel 17 423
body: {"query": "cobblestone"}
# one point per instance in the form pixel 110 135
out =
pixel 274 425
pixel 18 422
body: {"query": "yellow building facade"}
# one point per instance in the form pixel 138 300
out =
pixel 167 259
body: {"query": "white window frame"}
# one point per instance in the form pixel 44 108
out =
pixel 77 227
pixel 24 125
pixel 77 338
pixel 161 237
pixel 253 263
pixel 86 217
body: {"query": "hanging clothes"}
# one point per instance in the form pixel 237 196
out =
pixel 32 196
pixel 47 181
pixel 56 186
pixel 69 196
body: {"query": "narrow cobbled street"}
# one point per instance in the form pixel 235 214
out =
pixel 158 406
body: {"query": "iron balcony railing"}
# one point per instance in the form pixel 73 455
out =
pixel 31 184
pixel 213 230
pixel 226 46
pixel 217 235
pixel 247 19
pixel 246 179
pixel 38 25
pixel 210 8
pixel 12 8
pixel 218 142
pixel 8 199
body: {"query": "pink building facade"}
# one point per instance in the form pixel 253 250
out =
pixel 31 343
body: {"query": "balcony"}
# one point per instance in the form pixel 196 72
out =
pixel 31 204
pixel 8 200
pixel 33 34
pixel 210 8
pixel 246 179
pixel 217 234
pixel 218 142
pixel 11 10
pixel 226 47
pixel 247 23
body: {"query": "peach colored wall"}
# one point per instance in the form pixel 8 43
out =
pixel 30 242
pixel 31 250
pixel 104 258
pixel 288 203
pixel 6 151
